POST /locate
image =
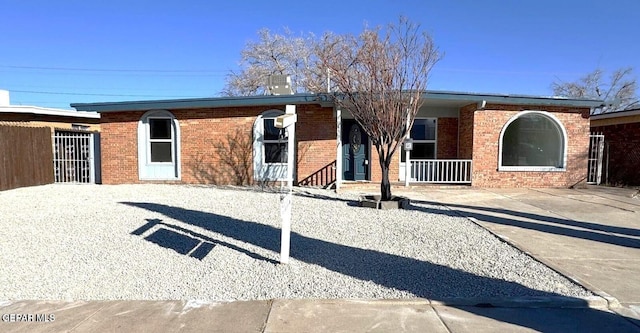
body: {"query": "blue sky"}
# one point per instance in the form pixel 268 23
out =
pixel 53 53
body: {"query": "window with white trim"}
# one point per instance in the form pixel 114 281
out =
pixel 158 146
pixel 275 142
pixel 270 147
pixel 160 140
pixel 423 134
pixel 533 141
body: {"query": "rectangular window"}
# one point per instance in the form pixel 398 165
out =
pixel 275 142
pixel 275 152
pixel 423 129
pixel 160 128
pixel 161 152
pixel 423 134
pixel 160 140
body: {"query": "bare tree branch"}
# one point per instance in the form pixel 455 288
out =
pixel 380 77
pixel 274 54
pixel 619 92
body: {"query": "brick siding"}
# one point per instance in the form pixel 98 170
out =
pixel 488 124
pixel 216 145
pixel 623 161
pixel 447 138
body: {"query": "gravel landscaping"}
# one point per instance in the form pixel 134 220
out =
pixel 96 242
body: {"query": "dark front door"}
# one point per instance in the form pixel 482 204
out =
pixel 355 151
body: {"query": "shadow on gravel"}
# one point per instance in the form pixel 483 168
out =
pixel 185 241
pixel 550 224
pixel 423 279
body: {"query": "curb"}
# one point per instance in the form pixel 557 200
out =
pixel 593 302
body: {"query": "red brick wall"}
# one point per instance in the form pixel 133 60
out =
pixel 447 138
pixel 119 147
pixel 488 124
pixel 216 145
pixel 623 141
pixel 316 132
pixel 465 126
pixel 394 167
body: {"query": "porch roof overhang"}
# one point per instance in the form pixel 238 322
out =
pixel 199 103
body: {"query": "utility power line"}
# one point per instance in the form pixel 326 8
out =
pixel 127 70
pixel 89 94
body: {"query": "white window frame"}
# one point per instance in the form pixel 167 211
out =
pixel 434 141
pixel 146 169
pixel 170 140
pixel 264 142
pixel 563 134
pixel 263 171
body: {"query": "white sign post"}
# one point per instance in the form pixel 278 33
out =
pixel 287 121
pixel 407 155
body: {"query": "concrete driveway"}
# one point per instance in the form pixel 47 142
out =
pixel 591 235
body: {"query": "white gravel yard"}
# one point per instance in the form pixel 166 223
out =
pixel 95 242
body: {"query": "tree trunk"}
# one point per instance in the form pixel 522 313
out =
pixel 385 185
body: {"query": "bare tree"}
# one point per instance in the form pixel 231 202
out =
pixel 619 93
pixel 380 77
pixel 274 54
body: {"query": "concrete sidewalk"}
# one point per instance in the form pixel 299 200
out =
pixel 300 316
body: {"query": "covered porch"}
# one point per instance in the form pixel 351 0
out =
pixel 441 153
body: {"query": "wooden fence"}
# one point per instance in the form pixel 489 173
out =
pixel 26 156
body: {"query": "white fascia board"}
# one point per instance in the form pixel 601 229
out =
pixel 48 112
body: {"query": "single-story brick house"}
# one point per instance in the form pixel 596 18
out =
pixel 487 140
pixel 622 141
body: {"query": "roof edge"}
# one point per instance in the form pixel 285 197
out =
pixel 324 99
pixel 616 114
pixel 47 111
pixel 514 99
pixel 209 102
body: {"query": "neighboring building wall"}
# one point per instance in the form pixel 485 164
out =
pixel 216 145
pixel 54 122
pixel 447 139
pixel 488 124
pixel 623 147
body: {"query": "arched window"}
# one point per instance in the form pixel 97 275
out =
pixel 533 141
pixel 270 144
pixel 158 146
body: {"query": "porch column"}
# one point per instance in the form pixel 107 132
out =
pixel 338 148
pixel 407 157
